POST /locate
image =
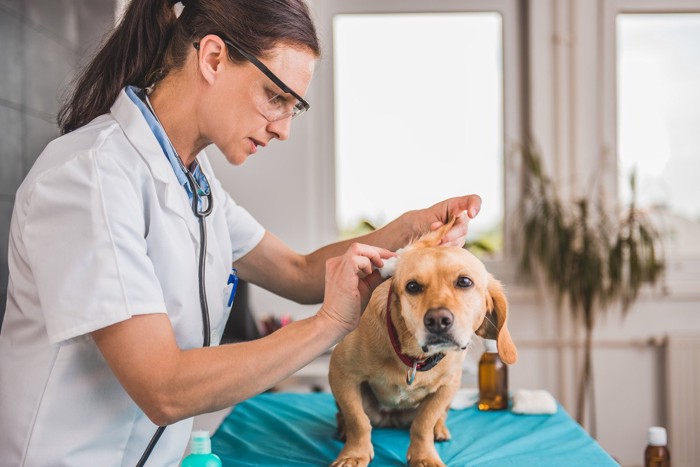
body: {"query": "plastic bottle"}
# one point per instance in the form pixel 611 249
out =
pixel 493 379
pixel 200 451
pixel 657 454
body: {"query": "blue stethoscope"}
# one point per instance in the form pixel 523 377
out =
pixel 202 205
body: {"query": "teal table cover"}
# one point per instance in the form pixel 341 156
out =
pixel 286 429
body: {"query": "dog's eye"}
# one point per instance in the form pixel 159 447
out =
pixel 464 282
pixel 413 287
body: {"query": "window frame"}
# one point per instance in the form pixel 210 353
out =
pixel 682 273
pixel 613 8
pixel 513 45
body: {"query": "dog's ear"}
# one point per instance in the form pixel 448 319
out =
pixel 434 238
pixel 496 304
pixel 488 329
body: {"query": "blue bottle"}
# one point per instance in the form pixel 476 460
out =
pixel 200 451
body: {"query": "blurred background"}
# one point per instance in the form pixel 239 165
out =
pixel 416 101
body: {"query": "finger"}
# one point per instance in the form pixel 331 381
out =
pixel 373 280
pixel 385 254
pixel 363 266
pixel 376 255
pixel 453 240
pixel 458 232
pixel 363 259
pixel 378 263
pixel 462 221
pixel 474 206
pixel 454 207
pixel 471 204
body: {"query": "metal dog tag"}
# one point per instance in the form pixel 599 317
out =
pixel 411 373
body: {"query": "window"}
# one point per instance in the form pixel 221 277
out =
pixel 658 108
pixel 419 117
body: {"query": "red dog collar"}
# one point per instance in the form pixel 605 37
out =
pixel 413 364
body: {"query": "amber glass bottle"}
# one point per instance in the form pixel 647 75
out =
pixel 657 454
pixel 493 379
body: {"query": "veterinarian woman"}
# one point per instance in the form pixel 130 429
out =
pixel 108 293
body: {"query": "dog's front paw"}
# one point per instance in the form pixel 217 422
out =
pixel 346 461
pixel 426 462
pixel 354 455
pixel 424 458
pixel 441 432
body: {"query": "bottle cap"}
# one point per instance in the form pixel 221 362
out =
pixel 200 443
pixel 490 345
pixel 657 436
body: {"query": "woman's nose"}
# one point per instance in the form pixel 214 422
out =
pixel 280 128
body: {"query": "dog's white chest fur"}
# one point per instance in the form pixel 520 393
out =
pixel 398 396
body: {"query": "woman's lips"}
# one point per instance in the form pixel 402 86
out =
pixel 254 145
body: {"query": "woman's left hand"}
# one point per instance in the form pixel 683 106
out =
pixel 463 208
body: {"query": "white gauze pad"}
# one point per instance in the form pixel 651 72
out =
pixel 389 267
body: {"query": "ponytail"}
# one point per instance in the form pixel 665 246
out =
pixel 150 41
pixel 132 55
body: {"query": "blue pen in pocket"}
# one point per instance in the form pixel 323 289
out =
pixel 232 279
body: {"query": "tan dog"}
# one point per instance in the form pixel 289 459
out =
pixel 436 300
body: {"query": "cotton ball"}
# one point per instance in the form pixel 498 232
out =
pixel 389 267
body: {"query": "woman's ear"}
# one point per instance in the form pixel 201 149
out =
pixel 210 55
pixel 499 307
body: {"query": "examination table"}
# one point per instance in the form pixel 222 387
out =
pixel 287 429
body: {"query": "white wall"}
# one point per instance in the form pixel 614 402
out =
pixel 284 187
pixel 278 186
pixel 41 45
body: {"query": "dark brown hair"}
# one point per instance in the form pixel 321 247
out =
pixel 150 41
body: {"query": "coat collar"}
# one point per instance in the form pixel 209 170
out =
pixel 137 131
pixel 139 98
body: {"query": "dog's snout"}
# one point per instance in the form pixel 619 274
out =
pixel 438 320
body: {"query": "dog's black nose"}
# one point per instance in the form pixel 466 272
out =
pixel 438 320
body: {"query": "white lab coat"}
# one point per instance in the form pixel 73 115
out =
pixel 102 231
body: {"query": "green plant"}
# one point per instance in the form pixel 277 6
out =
pixel 588 257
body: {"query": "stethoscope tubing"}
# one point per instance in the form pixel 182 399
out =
pixel 201 216
pixel 206 325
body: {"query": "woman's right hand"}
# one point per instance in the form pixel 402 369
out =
pixel 350 280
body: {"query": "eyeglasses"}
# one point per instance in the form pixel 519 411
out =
pixel 277 107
